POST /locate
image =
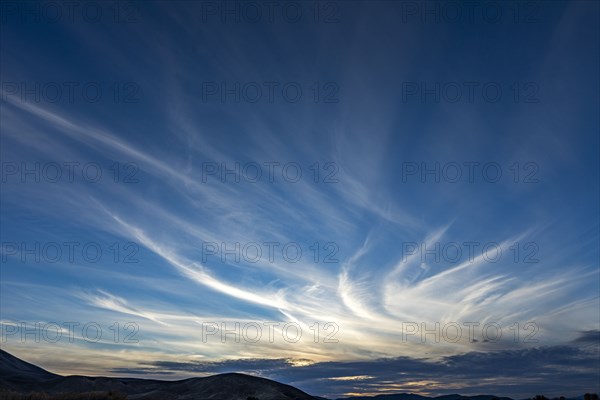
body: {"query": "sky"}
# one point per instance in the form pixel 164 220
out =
pixel 349 197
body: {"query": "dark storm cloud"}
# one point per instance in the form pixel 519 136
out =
pixel 589 337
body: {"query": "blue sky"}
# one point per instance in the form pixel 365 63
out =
pixel 372 95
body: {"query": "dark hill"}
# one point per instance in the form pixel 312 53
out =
pixel 20 376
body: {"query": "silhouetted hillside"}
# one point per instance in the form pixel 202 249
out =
pixel 20 376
